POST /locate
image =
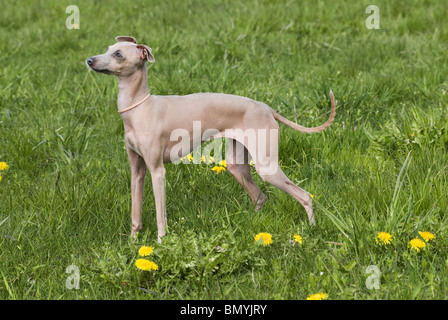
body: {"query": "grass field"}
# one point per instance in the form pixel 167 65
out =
pixel 381 167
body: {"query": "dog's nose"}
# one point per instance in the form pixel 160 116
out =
pixel 90 61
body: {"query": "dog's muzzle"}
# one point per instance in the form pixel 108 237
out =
pixel 91 61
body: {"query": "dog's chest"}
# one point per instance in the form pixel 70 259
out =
pixel 130 141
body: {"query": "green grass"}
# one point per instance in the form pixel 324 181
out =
pixel 381 166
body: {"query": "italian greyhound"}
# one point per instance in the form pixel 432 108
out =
pixel 150 120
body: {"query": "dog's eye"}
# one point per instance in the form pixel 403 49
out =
pixel 118 54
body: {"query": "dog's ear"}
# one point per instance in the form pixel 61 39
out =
pixel 125 39
pixel 146 53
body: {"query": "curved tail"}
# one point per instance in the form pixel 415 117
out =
pixel 300 128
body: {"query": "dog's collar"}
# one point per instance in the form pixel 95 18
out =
pixel 134 105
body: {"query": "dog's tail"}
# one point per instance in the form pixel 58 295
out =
pixel 305 129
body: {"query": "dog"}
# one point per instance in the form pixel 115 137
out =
pixel 150 120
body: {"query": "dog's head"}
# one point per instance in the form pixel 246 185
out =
pixel 122 58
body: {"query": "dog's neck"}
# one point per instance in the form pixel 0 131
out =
pixel 133 88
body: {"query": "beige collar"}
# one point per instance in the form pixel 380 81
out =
pixel 135 104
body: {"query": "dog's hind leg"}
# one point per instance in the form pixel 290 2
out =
pixel 237 159
pixel 279 180
pixel 266 163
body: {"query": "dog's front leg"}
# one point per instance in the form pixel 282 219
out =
pixel 138 173
pixel 158 185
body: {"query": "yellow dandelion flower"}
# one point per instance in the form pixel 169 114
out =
pixel 298 238
pixel 187 158
pixel 146 265
pixel 145 251
pixel 417 244
pixel 223 163
pixel 265 237
pixel 312 196
pixel 218 169
pixel 3 166
pixel 317 296
pixel 426 235
pixel 383 238
pixel 207 159
pixel 252 163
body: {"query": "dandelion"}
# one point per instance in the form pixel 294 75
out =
pixel 312 196
pixel 417 244
pixel 317 296
pixel 207 159
pixel 265 237
pixel 145 251
pixel 146 265
pixel 426 235
pixel 252 163
pixel 383 238
pixel 298 238
pixel 187 158
pixel 3 166
pixel 218 169
pixel 223 163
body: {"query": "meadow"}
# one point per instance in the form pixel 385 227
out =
pixel 380 167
